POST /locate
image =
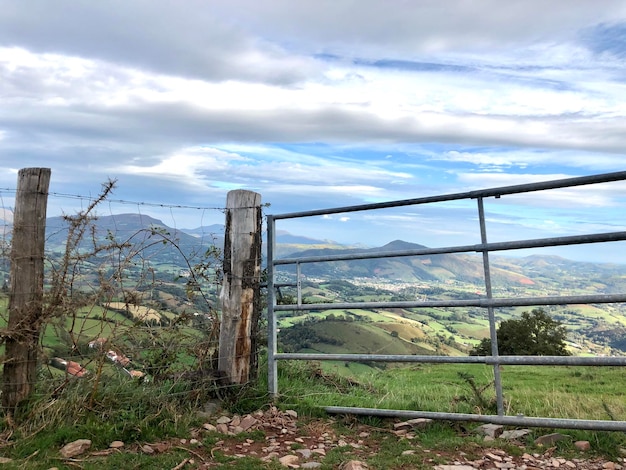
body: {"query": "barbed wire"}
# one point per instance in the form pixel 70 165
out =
pixel 123 201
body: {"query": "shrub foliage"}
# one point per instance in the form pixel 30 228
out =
pixel 534 334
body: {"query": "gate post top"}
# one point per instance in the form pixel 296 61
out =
pixel 242 198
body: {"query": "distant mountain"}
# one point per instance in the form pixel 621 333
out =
pixel 538 270
pixel 282 236
pixel 206 230
pixel 142 232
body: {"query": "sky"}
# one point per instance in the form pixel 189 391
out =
pixel 325 103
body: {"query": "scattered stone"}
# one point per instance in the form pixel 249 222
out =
pixel 247 422
pixel 292 413
pixel 311 465
pixel 290 461
pixel 354 465
pixel 222 428
pixel 209 427
pixel 582 445
pixel 454 467
pixel 515 434
pixel 223 420
pixel 146 449
pixel 5 460
pixel 75 448
pixel 417 423
pixel 408 452
pixel 491 430
pixel 116 445
pixel 305 453
pixel 550 439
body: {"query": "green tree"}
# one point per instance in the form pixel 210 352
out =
pixel 534 334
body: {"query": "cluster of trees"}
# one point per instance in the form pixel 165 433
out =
pixel 534 334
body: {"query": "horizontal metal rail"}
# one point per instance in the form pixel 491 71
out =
pixel 488 360
pixel 480 247
pixel 493 192
pixel 523 421
pixel 484 302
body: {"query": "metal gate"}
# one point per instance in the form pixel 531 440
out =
pixel 489 303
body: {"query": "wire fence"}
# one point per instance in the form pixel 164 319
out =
pixel 131 291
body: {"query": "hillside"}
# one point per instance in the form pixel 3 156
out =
pixel 597 329
pixel 548 272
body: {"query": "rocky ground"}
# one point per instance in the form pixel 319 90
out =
pixel 275 438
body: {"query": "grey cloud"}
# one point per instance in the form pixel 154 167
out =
pixel 411 28
pixel 175 125
pixel 177 38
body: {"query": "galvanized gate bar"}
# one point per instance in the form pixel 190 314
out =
pixel 523 421
pixel 485 303
pixel 488 303
pixel 498 246
pixel 492 192
pixel 490 360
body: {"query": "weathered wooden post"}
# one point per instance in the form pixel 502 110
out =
pixel 26 292
pixel 240 294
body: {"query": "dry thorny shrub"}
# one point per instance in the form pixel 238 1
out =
pixel 110 316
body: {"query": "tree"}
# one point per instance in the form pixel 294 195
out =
pixel 534 334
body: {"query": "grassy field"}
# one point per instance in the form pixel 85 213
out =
pixel 557 392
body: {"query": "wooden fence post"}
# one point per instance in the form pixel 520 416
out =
pixel 26 292
pixel 240 294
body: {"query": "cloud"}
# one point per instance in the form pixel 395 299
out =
pixel 157 36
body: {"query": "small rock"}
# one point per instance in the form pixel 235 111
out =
pixel 515 434
pixel 5 460
pixel 116 445
pixel 292 413
pixel 223 420
pixel 609 466
pixel 491 430
pixel 247 422
pixel 209 427
pixel 305 453
pixel 146 449
pixel 550 439
pixel 408 452
pixel 311 465
pixel 454 467
pixel 354 465
pixel 222 428
pixel 75 448
pixel 289 461
pixel 494 457
pixel 582 445
pixel 418 423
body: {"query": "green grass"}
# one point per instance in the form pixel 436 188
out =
pixel 558 392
